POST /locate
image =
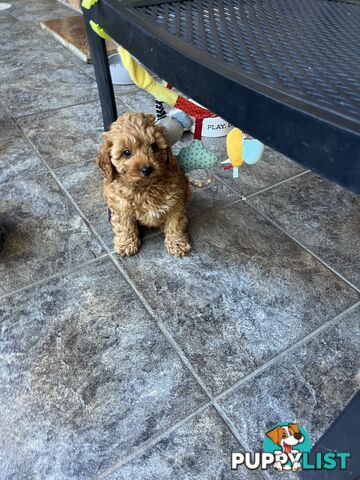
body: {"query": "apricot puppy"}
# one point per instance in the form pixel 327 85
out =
pixel 143 184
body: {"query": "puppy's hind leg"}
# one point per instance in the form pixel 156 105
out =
pixel 126 234
pixel 176 236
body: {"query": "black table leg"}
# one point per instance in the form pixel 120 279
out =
pixel 102 73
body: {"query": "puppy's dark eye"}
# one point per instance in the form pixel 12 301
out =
pixel 154 147
pixel 127 153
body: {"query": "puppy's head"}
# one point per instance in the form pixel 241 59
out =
pixel 286 436
pixel 135 150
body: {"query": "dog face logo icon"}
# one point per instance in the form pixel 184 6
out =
pixel 286 436
pixel 287 441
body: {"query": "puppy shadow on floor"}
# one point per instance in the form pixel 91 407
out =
pixel 13 239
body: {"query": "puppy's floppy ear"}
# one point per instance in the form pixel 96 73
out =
pixel 295 427
pixel 274 435
pixel 103 159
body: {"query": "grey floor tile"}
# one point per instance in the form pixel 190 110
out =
pixel 17 36
pixel 86 377
pixel 271 169
pixel 322 216
pixel 198 450
pixel 67 135
pixel 4 115
pixel 19 64
pixel 213 196
pixel 44 234
pixel 84 183
pixel 245 292
pixel 309 386
pixel 39 10
pixel 122 90
pixel 88 68
pixel 7 20
pixel 139 101
pixel 16 154
pixel 48 89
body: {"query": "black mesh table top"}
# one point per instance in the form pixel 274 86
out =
pixel 310 49
pixel 286 71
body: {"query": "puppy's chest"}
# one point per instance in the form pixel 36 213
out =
pixel 152 212
pixel 151 207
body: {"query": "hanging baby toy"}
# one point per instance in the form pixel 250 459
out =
pixel 195 156
pixel 241 150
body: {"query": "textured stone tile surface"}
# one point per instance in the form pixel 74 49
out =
pixel 17 36
pixel 67 135
pixel 4 115
pixel 44 234
pixel 245 293
pixel 48 89
pixel 200 449
pixel 16 154
pixel 15 65
pixel 39 10
pixel 88 68
pixel 322 216
pixel 310 386
pixel 84 182
pixel 7 20
pixel 86 377
pixel 139 101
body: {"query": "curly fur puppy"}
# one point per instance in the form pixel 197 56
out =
pixel 143 184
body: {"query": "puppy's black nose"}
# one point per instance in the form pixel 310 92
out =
pixel 146 170
pixel 298 436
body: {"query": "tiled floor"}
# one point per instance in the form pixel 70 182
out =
pixel 155 367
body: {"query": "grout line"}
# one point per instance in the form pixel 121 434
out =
pixel 65 272
pixel 75 163
pixel 55 109
pixel 67 194
pixel 304 247
pixel 231 426
pixel 162 327
pixel 288 350
pixel 277 184
pixel 151 442
pixel 244 197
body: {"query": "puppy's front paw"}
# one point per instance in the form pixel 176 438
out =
pixel 126 247
pixel 177 246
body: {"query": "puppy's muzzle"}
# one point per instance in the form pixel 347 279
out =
pixel 146 170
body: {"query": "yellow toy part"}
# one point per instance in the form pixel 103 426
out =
pixel 234 147
pixel 100 31
pixel 88 3
pixel 234 144
pixel 143 80
pixel 241 150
